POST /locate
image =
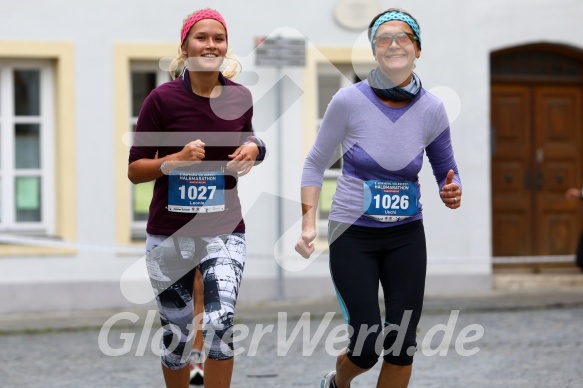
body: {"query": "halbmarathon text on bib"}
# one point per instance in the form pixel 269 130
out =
pixel 196 192
pixel 389 201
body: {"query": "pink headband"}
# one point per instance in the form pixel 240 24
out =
pixel 198 16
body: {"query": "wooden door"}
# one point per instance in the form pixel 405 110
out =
pixel 536 156
pixel 557 152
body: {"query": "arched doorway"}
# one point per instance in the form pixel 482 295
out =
pixel 537 149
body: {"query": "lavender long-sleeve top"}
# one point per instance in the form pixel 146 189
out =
pixel 379 142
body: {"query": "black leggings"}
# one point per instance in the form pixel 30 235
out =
pixel 360 258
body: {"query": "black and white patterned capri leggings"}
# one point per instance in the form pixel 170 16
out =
pixel 171 263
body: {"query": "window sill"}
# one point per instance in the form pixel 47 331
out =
pixel 36 251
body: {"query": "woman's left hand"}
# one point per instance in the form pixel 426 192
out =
pixel 243 158
pixel 450 194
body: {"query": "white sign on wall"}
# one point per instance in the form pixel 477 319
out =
pixel 279 51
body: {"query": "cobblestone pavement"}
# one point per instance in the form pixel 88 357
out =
pixel 534 344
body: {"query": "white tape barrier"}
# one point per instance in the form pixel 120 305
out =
pixel 134 282
pixel 52 243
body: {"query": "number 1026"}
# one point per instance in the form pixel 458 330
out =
pixel 388 201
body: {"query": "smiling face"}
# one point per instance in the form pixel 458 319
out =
pixel 205 46
pixel 396 61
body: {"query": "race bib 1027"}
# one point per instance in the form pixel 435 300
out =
pixel 196 192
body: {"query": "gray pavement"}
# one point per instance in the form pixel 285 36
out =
pixel 528 338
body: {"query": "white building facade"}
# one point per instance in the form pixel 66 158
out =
pixel 72 225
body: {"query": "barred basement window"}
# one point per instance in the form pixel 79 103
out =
pixel 535 62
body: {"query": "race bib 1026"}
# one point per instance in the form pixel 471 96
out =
pixel 390 201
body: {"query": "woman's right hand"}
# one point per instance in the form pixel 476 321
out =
pixel 305 245
pixel 192 153
pixel 146 169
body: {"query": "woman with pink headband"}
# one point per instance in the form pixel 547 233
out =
pixel 384 125
pixel 194 137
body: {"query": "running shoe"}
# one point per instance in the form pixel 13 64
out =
pixel 196 368
pixel 327 380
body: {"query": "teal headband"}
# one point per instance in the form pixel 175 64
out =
pixel 395 15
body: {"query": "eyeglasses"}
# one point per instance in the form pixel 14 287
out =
pixel 402 39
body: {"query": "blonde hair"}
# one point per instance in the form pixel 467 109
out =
pixel 230 71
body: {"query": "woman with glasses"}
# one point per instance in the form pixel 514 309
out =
pixel 384 125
